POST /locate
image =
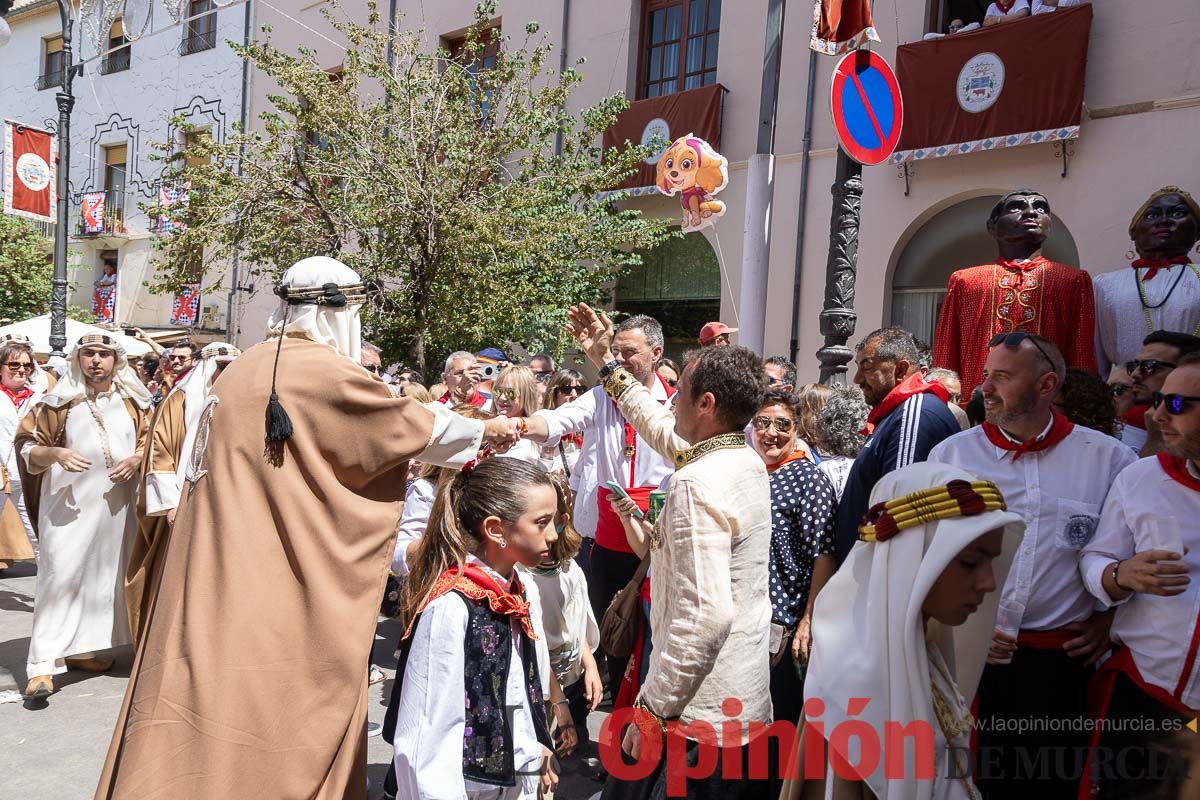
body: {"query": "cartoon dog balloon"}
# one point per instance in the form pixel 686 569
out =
pixel 691 168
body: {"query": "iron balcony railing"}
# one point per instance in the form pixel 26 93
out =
pixel 49 80
pixel 198 42
pixel 117 61
pixel 114 218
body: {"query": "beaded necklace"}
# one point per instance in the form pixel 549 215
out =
pixel 1146 307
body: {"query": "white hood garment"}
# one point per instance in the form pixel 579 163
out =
pixel 72 386
pixel 340 327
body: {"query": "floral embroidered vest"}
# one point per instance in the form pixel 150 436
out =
pixel 487 736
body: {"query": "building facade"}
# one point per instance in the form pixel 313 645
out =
pixel 134 84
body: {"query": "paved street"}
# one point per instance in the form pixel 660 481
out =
pixel 54 751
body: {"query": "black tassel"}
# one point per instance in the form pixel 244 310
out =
pixel 279 424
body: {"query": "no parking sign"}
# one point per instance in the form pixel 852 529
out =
pixel 868 111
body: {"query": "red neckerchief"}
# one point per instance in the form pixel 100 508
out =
pixel 1136 416
pixel 1060 427
pixel 799 454
pixel 577 438
pixel 1005 7
pixel 475 583
pixel 911 386
pixel 1153 265
pixel 1176 467
pixel 18 398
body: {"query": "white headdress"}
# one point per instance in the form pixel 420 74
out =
pixel 196 386
pixel 869 634
pixel 319 300
pixel 72 386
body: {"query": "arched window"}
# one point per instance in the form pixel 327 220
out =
pixel 679 284
pixel 953 239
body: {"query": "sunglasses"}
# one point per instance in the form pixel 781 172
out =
pixel 782 424
pixel 569 390
pixel 178 358
pixel 543 377
pixel 1148 366
pixel 1013 341
pixel 1118 389
pixel 1175 402
pixel 375 368
pixel 16 365
pixel 507 394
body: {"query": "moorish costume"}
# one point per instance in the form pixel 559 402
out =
pixel 172 433
pixel 1034 295
pixel 251 676
pixel 871 640
pixel 84 520
pixel 1151 295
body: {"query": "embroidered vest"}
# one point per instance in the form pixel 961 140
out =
pixel 487 737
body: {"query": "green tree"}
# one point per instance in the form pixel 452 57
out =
pixel 461 190
pixel 25 270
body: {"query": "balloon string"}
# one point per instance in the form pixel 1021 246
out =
pixel 728 283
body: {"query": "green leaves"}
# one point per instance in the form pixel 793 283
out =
pixel 26 270
pixel 439 177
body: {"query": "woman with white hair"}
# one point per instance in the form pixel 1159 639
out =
pixel 900 635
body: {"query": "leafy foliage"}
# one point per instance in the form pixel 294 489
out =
pixel 26 270
pixel 464 195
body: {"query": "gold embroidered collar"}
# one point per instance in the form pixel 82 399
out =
pixel 722 442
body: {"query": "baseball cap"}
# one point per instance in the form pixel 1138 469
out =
pixel 491 354
pixel 712 330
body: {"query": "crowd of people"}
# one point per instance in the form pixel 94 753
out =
pixel 710 549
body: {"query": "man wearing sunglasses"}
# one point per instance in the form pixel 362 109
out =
pixel 1055 474
pixel 1141 560
pixel 1020 290
pixel 1161 352
pixel 1160 290
pixel 908 417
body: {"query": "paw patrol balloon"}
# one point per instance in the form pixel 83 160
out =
pixel 691 168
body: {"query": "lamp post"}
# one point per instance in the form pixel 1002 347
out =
pixel 66 102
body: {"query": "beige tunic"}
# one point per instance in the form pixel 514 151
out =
pixel 162 456
pixel 251 678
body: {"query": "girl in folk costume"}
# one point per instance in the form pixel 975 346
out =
pixel 466 716
pixel 900 634
pixel 22 383
pixel 571 630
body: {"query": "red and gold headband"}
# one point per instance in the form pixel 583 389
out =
pixel 955 499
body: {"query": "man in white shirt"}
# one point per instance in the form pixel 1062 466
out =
pixel 1055 475
pixel 1046 6
pixel 612 451
pixel 1140 560
pixel 1003 11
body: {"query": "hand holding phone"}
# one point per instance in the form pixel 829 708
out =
pixel 619 490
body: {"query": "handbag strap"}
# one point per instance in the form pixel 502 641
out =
pixel 562 454
pixel 639 574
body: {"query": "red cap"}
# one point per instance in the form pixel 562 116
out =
pixel 712 330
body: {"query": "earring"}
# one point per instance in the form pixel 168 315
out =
pixel 1130 255
pixel 503 544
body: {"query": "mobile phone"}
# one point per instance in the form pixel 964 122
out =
pixel 619 490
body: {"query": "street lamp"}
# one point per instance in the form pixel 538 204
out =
pixel 66 101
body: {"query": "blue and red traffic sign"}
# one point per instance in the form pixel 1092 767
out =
pixel 868 111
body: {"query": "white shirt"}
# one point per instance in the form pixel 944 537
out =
pixel 567 619
pixel 1058 492
pixel 1121 320
pixel 1162 633
pixel 430 725
pixel 418 503
pixel 994 10
pixel 1039 7
pixel 603 458
pixel 837 469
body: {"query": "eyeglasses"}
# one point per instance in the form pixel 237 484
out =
pixel 1175 402
pixel 178 358
pixel 375 368
pixel 774 381
pixel 1013 341
pixel 672 382
pixel 1118 389
pixel 782 424
pixel 569 389
pixel 507 394
pixel 1148 366
pixel 543 377
pixel 18 365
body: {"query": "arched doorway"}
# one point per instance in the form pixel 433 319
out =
pixel 952 239
pixel 679 284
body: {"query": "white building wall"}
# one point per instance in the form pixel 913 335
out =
pixel 132 107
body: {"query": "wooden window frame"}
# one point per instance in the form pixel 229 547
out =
pixel 708 76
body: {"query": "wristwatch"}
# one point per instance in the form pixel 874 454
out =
pixel 609 368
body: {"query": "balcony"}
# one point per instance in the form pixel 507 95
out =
pixel 117 61
pixel 49 81
pixel 198 42
pixel 104 220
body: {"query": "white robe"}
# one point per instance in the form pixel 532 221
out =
pixel 87 524
pixel 1121 321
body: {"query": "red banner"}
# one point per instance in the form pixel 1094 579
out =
pixel 839 26
pixel 29 172
pixel 1002 86
pixel 665 119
